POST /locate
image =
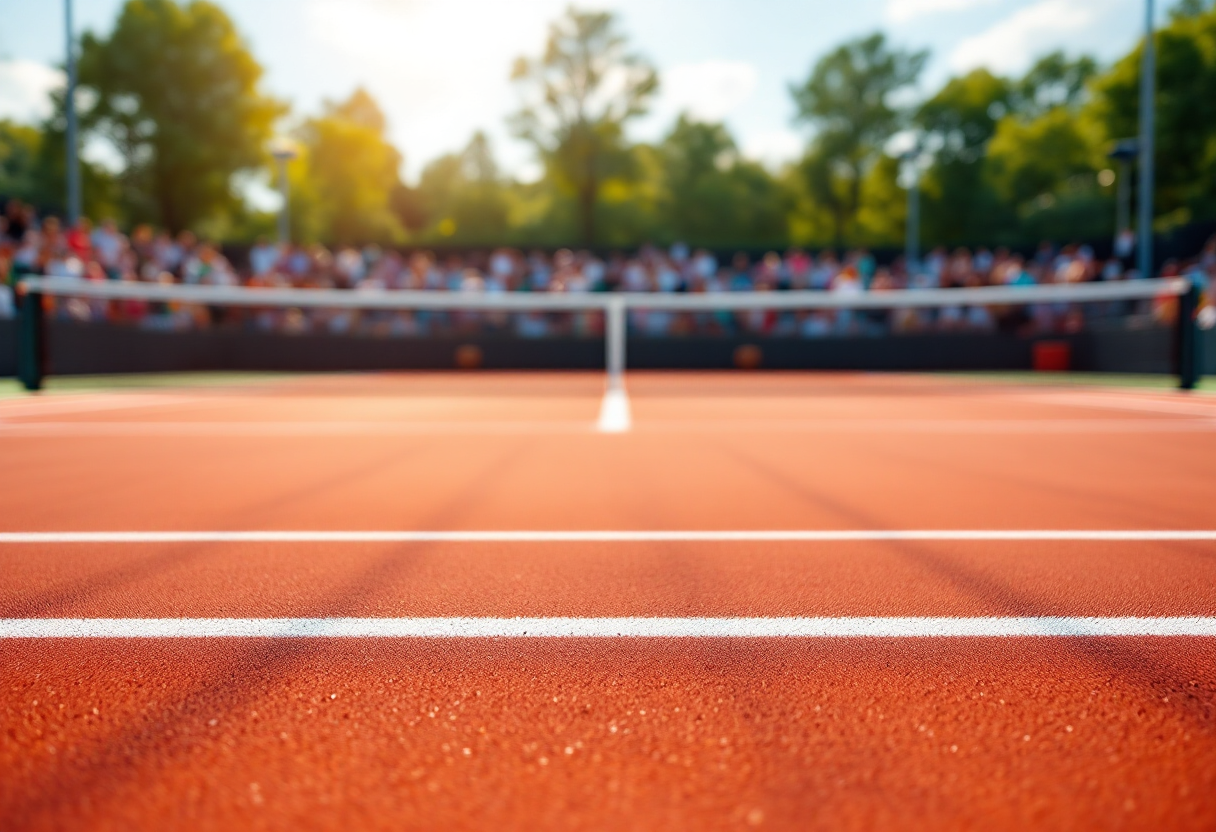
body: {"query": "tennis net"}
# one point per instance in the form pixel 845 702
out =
pixel 69 325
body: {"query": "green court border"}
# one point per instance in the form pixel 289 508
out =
pixel 11 388
pixel 1142 381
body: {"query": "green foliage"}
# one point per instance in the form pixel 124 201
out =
pixel 1030 159
pixel 1054 81
pixel 1079 211
pixel 175 91
pixel 579 95
pixel 848 98
pixel 832 189
pixel 712 197
pixel 884 205
pixel 348 174
pixel 1186 118
pixel 34 162
pixel 956 124
pixel 1190 8
pixel 19 150
pixel 962 117
pixel 1014 160
pixel 465 198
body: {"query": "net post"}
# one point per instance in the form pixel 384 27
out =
pixel 1188 338
pixel 614 343
pixel 31 338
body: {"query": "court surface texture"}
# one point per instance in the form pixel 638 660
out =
pixel 802 601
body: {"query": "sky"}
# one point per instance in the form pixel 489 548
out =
pixel 440 68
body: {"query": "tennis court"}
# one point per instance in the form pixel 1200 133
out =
pixel 449 601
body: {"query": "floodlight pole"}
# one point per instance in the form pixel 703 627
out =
pixel 1123 200
pixel 912 244
pixel 71 139
pixel 912 231
pixel 285 191
pixel 1148 77
pixel 1123 153
pixel 283 150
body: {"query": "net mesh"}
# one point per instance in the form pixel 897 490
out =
pixel 115 326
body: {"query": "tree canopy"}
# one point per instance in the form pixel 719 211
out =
pixel 350 173
pixel 711 195
pixel 175 90
pixel 1003 160
pixel 849 99
pixel 578 97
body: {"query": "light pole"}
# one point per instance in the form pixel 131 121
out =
pixel 1148 77
pixel 284 150
pixel 69 106
pixel 1124 152
pixel 912 232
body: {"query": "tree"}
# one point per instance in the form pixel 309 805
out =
pixel 1053 81
pixel 961 118
pixel 1043 166
pixel 1014 158
pixel 848 98
pixel 351 173
pixel 33 168
pixel 956 124
pixel 19 149
pixel 1186 120
pixel 1029 160
pixel 175 90
pixel 578 97
pixel 711 196
pixel 883 218
pixel 1190 8
pixel 465 196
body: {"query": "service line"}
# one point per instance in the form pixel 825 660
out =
pixel 756 536
pixel 468 628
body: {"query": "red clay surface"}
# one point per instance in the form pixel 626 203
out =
pixel 644 734
pixel 914 578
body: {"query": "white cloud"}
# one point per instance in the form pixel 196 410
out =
pixel 440 70
pixel 773 148
pixel 1012 44
pixel 709 90
pixel 25 88
pixel 901 11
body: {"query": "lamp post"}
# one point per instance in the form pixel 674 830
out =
pixel 1148 73
pixel 1124 152
pixel 284 150
pixel 69 106
pixel 912 231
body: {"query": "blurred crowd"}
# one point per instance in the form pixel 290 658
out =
pixel 103 252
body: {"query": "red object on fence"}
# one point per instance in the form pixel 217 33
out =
pixel 1052 356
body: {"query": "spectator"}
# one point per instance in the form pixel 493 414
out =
pixel 263 257
pixel 28 246
pixel 108 247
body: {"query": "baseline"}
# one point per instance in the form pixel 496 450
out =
pixel 467 628
pixel 725 536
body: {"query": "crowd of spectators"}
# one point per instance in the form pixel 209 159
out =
pixel 103 252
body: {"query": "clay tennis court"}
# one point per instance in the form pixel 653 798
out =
pixel 446 601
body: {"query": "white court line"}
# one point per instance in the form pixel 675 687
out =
pixel 792 535
pixel 614 412
pixel 464 628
